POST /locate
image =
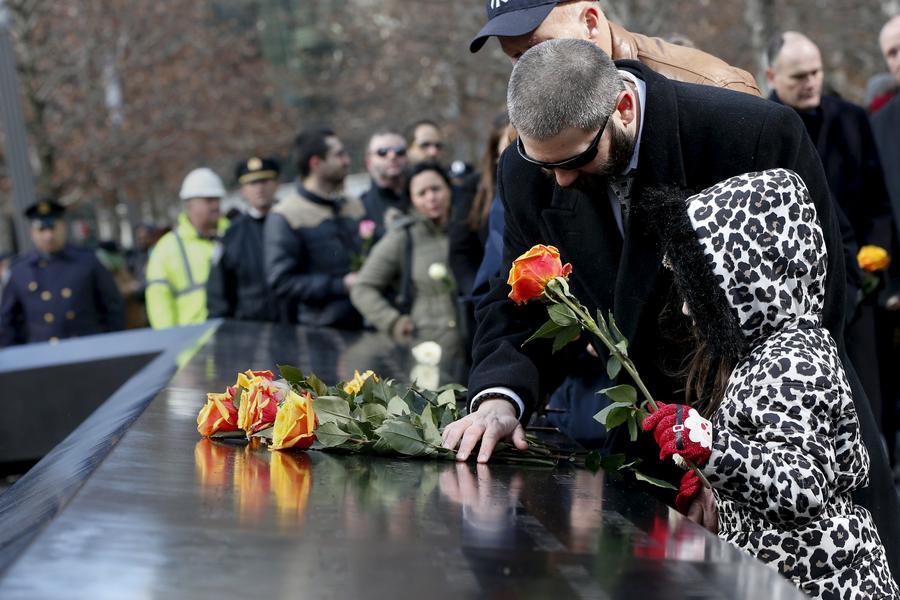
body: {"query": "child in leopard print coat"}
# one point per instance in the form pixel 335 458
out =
pixel 782 450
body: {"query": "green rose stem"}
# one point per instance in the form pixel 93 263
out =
pixel 557 290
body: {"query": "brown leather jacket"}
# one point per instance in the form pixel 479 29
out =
pixel 678 62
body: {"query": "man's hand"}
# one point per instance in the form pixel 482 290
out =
pixel 350 280
pixel 703 510
pixel 403 329
pixel 493 421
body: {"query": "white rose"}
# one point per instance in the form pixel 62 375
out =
pixel 427 353
pixel 437 271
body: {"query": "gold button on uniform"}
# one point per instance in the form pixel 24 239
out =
pixel 54 340
pixel 451 324
pixel 66 293
pixel 46 296
pixel 49 317
pixel 70 315
pixel 32 287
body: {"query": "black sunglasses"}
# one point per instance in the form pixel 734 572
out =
pixel 399 151
pixel 575 162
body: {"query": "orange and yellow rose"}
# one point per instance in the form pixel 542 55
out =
pixel 219 414
pixel 354 385
pixel 295 423
pixel 873 259
pixel 532 271
pixel 259 403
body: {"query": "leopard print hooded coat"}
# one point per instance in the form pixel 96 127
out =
pixel 786 447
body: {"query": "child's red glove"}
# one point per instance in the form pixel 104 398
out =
pixel 680 432
pixel 687 491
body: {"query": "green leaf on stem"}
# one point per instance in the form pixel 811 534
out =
pixel 292 375
pixel 238 396
pixel 607 413
pixel 601 324
pixel 617 334
pixel 632 427
pixel 623 348
pixel 562 315
pixel 371 413
pixel 547 331
pixel 564 337
pixel 654 481
pixel 403 438
pixel 429 429
pixel 331 409
pixel 621 393
pixel 397 407
pixel 613 367
pixel 316 385
pixel 447 398
pixel 331 435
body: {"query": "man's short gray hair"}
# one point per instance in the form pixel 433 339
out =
pixel 561 84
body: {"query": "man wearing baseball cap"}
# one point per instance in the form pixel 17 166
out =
pixel 520 24
pixel 179 263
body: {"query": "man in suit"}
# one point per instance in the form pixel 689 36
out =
pixel 843 138
pixel 596 138
pixel 57 291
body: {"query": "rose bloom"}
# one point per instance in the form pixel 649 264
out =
pixel 354 385
pixel 873 259
pixel 295 424
pixel 437 271
pixel 259 404
pixel 219 414
pixel 366 229
pixel 532 271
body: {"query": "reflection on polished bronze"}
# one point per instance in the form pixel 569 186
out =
pixel 251 482
pixel 167 516
pixel 290 474
pixel 212 461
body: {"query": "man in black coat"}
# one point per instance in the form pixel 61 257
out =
pixel 237 288
pixel 600 129
pixel 843 138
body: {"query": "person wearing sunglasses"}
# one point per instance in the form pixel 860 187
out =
pixel 386 162
pixel 595 137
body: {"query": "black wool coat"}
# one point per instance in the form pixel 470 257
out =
pixel 885 126
pixel 845 143
pixel 693 137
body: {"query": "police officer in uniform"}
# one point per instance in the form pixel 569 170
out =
pixel 236 287
pixel 57 291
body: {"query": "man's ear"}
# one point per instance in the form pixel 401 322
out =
pixel 770 75
pixel 314 163
pixel 627 107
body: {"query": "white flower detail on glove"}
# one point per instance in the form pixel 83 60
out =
pixel 699 430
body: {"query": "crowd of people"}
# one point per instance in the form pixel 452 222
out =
pixel 779 270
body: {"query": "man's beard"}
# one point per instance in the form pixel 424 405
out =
pixel 621 149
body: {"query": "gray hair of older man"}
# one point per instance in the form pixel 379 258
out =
pixel 562 84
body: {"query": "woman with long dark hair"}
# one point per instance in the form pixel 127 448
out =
pixel 782 447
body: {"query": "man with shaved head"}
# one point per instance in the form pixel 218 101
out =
pixel 843 137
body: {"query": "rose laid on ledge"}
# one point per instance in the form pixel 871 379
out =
pixel 219 414
pixel 259 402
pixel 295 424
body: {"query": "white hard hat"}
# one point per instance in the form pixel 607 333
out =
pixel 202 183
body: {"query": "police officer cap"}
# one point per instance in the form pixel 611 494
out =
pixel 255 169
pixel 45 211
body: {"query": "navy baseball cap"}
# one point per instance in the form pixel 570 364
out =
pixel 512 17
